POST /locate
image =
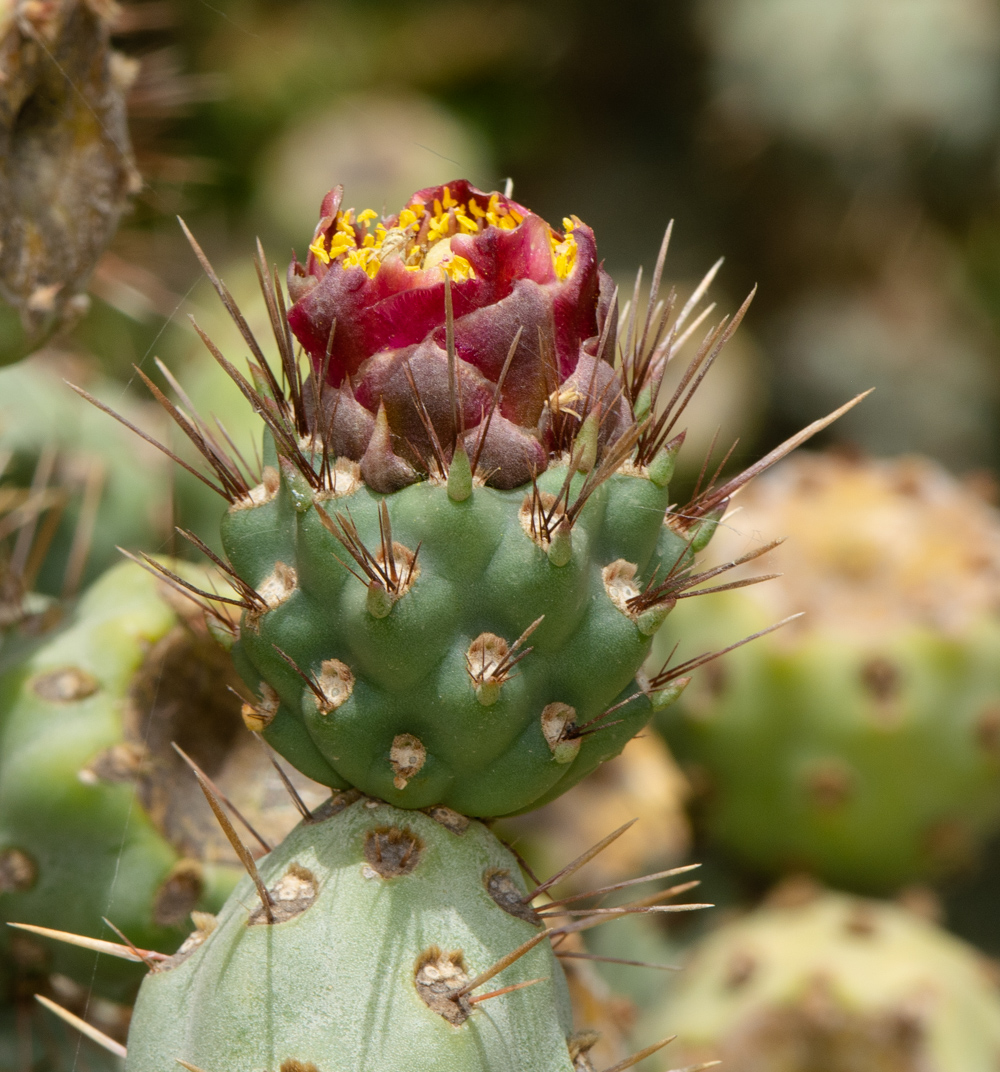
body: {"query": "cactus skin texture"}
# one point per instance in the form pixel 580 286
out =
pixel 75 843
pixel 368 900
pixel 837 983
pixel 861 743
pixel 412 673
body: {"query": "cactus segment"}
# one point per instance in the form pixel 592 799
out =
pixel 463 460
pixel 823 980
pixel 464 569
pixel 381 918
pixel 97 814
pixel 862 742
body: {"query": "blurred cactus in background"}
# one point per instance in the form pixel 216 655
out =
pixel 817 980
pixel 65 161
pixel 859 742
pixel 858 78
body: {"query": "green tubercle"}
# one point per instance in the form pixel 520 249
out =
pixel 426 630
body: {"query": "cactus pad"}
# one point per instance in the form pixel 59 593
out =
pixel 459 541
pixel 863 741
pixel 823 980
pixel 380 918
pixel 98 816
pixel 474 683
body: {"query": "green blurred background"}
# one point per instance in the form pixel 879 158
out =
pixel 843 155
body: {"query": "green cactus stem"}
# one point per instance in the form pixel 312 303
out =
pixel 380 921
pixel 97 817
pixel 823 980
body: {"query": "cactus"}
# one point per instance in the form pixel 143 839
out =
pixel 96 816
pixel 66 166
pixel 826 980
pixel 464 472
pixel 380 918
pixel 861 742
pixel 111 490
pixel 449 565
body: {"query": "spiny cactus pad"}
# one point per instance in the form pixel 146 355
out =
pixel 863 741
pixel 473 477
pixel 413 696
pixel 381 916
pixel 826 981
pixel 98 816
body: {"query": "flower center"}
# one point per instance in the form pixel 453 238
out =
pixel 421 236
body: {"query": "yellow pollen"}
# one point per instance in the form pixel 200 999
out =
pixel 466 225
pixel 422 237
pixel 459 269
pixel 318 250
pixel 439 228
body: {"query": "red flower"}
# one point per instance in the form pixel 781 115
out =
pixel 369 309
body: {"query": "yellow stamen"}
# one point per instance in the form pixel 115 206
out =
pixel 439 228
pixel 476 211
pixel 318 250
pixel 447 200
pixel 368 214
pixel 459 269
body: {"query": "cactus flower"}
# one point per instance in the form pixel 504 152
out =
pixel 370 309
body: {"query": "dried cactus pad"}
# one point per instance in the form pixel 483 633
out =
pixel 380 918
pixel 482 676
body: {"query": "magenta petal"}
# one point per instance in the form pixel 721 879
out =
pixel 483 338
pixel 339 296
pixel 500 257
pixel 327 218
pixel 384 381
pixel 404 317
pixel 575 303
pixel 599 390
pixel 509 457
pixel 463 190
